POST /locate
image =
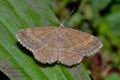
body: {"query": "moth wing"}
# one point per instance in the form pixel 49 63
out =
pixel 77 44
pixel 36 40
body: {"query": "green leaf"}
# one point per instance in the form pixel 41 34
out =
pixel 109 27
pixel 15 61
pixel 115 8
pixel 113 76
pixel 114 21
pixel 100 4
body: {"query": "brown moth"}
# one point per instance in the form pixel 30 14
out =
pixel 58 44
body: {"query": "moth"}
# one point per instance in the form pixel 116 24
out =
pixel 58 44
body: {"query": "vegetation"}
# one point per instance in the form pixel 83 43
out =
pixel 98 17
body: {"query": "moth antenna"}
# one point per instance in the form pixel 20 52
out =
pixel 62 23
